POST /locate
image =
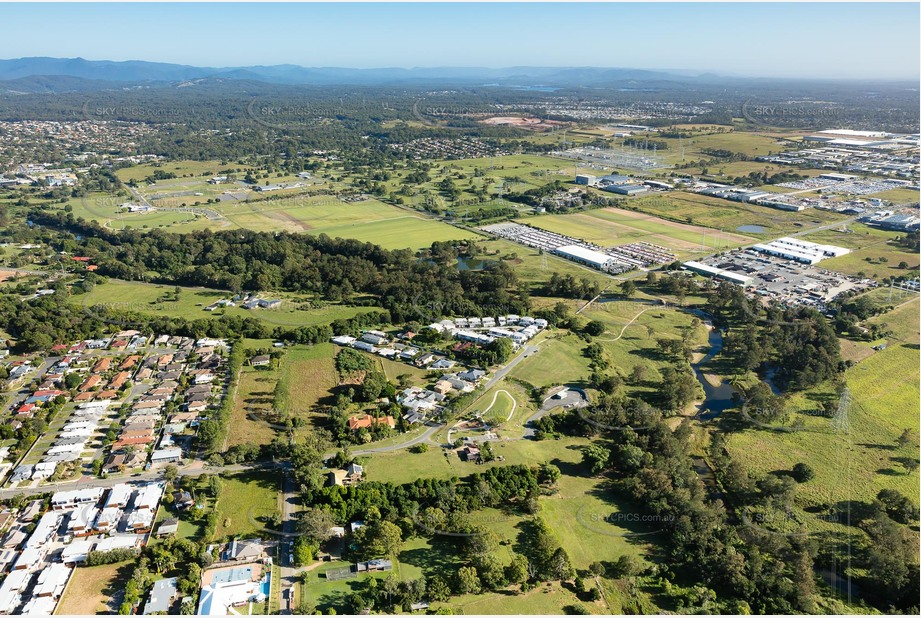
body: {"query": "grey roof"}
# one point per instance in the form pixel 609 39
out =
pixel 161 596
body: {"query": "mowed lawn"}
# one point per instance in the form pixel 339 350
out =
pixel 246 499
pixel 592 525
pixel 368 221
pixel 559 361
pixel 91 588
pixel 855 466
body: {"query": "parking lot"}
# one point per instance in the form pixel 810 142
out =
pixel 789 282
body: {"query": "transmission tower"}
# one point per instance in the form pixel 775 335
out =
pixel 840 422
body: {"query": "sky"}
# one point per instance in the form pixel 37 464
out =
pixel 820 40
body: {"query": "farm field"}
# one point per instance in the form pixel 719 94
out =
pixel 246 499
pixel 612 226
pixel 368 221
pixel 729 216
pixel 91 589
pixel 146 298
pixel 854 466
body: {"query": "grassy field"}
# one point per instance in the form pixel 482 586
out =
pixel 179 168
pixel 307 375
pixel 151 299
pixel 559 361
pixel 91 588
pixel 369 221
pixel 728 216
pixel 246 499
pixel 612 226
pixel 874 252
pixel 850 466
pixel 591 524
pixel 630 338
pixel 253 407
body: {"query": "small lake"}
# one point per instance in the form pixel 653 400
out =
pixel 751 229
pixel 471 263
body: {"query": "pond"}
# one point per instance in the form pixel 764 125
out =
pixel 751 229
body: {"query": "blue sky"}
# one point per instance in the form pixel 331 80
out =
pixel 870 40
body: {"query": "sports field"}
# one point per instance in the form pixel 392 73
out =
pixel 613 226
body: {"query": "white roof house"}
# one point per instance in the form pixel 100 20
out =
pixel 148 497
pixel 52 580
pixel 45 529
pixel 40 606
pixel 119 495
pixel 76 551
pixel 82 519
pixel 118 542
pixel 67 499
pixel 30 558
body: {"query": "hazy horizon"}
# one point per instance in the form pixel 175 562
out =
pixel 851 41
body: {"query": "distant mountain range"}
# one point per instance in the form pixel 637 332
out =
pixel 135 71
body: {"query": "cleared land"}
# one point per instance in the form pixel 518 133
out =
pixel 307 375
pixel 245 502
pixel 91 589
pixel 253 407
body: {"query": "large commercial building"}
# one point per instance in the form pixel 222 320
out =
pixel 718 273
pixel 584 255
pixel 800 250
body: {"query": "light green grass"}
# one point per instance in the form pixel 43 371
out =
pixel 244 500
pixel 726 215
pixel 559 361
pixel 855 466
pixel 143 298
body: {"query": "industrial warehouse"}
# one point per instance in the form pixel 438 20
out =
pixel 791 282
pixel 800 250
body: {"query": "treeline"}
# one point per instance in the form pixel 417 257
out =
pixel 798 343
pixel 334 268
pixel 739 571
pixel 42 322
